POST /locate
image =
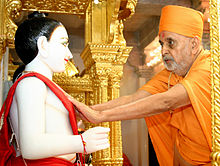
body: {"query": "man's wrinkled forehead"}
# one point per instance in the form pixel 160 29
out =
pixel 164 35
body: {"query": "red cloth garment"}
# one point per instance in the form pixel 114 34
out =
pixel 126 161
pixel 7 151
pixel 52 161
pixel 188 127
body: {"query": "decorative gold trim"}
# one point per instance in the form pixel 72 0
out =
pixel 2 47
pixel 13 9
pixel 73 84
pixel 75 7
pixel 113 11
pixel 215 78
pixel 127 9
pixel 104 53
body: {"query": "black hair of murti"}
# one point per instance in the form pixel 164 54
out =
pixel 18 72
pixel 37 14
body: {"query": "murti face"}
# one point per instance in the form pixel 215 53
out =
pixel 58 50
pixel 176 52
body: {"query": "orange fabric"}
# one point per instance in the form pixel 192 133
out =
pixel 188 127
pixel 181 20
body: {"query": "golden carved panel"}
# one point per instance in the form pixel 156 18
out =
pixel 127 9
pixel 2 47
pixel 73 84
pixel 104 53
pixel 12 8
pixel 80 96
pixel 76 7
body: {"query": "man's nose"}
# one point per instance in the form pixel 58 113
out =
pixel 164 50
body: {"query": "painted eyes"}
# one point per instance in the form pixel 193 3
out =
pixel 65 44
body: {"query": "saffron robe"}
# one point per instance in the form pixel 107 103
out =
pixel 188 127
pixel 7 151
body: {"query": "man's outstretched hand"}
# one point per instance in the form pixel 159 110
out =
pixel 86 113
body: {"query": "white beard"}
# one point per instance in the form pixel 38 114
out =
pixel 178 69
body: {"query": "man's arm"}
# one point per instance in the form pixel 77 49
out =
pixel 173 98
pixel 92 113
pixel 141 107
pixel 121 101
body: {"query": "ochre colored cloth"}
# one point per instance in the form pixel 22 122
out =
pixel 7 151
pixel 181 20
pixel 188 127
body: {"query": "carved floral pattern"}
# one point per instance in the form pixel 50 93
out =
pixel 13 9
pixel 77 7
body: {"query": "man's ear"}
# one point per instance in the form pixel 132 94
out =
pixel 42 46
pixel 195 45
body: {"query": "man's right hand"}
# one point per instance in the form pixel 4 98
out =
pixel 86 113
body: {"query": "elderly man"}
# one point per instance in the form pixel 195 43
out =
pixel 176 103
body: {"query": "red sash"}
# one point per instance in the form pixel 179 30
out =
pixel 7 151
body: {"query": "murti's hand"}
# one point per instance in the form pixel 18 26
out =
pixel 95 139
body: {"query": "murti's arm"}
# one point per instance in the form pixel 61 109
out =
pixel 35 142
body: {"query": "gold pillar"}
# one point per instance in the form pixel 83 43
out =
pixel 2 29
pixel 9 11
pixel 104 56
pixel 100 96
pixel 215 78
pixel 100 20
pixel 113 93
pixel 100 61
